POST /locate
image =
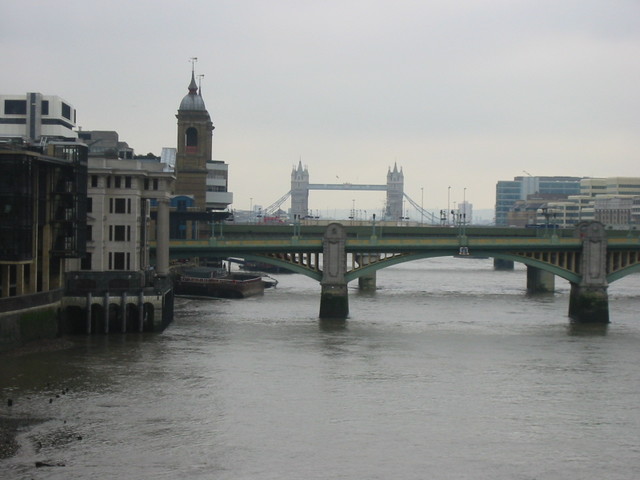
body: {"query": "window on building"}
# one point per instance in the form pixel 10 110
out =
pixel 119 205
pixel 155 184
pixel 146 184
pixel 118 181
pixel 44 108
pixel 191 138
pixel 89 204
pixel 15 107
pixel 119 233
pixel 108 182
pixel 127 182
pixel 94 180
pixel 89 232
pixel 66 111
pixel 119 260
pixel 85 263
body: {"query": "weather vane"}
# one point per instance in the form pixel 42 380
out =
pixel 193 61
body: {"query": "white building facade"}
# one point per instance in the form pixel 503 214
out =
pixel 122 194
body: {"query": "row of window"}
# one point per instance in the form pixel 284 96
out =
pixel 117 233
pixel 19 107
pixel 124 182
pixel 117 261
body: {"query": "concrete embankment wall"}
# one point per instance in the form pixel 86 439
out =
pixel 28 318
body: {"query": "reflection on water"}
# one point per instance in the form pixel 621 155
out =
pixel 448 370
pixel 587 329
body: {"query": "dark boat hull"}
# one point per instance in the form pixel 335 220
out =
pixel 231 286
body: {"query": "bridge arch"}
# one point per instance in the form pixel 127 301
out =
pixel 623 272
pixel 372 267
pixel 379 265
pixel 294 267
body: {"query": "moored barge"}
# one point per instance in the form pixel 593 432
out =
pixel 215 282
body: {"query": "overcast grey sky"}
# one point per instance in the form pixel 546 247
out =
pixel 458 93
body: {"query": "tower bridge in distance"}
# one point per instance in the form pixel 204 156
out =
pixel 394 188
pixel 588 256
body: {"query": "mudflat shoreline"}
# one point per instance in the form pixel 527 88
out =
pixel 9 429
pixel 11 426
pixel 37 346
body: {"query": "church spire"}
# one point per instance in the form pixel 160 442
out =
pixel 193 100
pixel 193 87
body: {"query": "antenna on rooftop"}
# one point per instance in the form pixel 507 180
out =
pixel 200 82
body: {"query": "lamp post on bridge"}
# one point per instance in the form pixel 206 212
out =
pixel 448 201
pixel 421 206
pixel 373 228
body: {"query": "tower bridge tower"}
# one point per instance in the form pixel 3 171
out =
pixel 299 191
pixel 395 194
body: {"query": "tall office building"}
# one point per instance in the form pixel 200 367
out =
pixel 508 192
pixel 43 185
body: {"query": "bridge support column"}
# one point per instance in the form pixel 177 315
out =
pixel 589 301
pixel 540 281
pixel 367 282
pixel 162 236
pixel 500 264
pixel 88 317
pixel 334 299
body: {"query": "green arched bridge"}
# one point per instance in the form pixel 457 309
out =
pixel 589 256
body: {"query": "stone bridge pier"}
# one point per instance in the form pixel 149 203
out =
pixel 367 283
pixel 589 301
pixel 334 299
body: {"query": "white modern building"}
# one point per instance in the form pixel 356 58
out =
pixel 35 117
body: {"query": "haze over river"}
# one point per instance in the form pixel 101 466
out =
pixel 448 371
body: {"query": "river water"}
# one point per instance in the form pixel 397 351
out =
pixel 448 371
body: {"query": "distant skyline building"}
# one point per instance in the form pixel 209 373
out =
pixel 105 144
pixel 614 201
pixel 508 192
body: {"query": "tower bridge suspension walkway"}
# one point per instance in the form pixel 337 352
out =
pixel 588 256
